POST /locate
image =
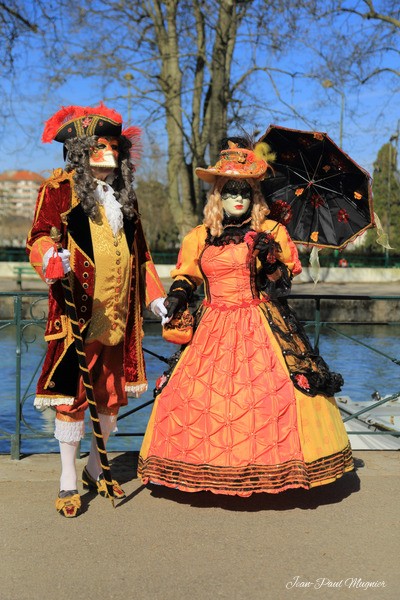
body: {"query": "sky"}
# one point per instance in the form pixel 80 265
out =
pixel 371 114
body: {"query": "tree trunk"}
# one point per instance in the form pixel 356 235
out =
pixel 224 43
pixel 171 85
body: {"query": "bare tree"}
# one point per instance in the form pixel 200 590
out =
pixel 357 41
pixel 22 26
pixel 188 60
pixel 190 65
pixel 14 24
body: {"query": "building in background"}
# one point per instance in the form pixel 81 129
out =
pixel 18 192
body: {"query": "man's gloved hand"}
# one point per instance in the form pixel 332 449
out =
pixel 64 254
pixel 174 303
pixel 158 308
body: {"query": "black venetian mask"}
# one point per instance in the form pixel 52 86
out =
pixel 234 187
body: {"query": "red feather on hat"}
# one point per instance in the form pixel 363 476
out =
pixel 134 135
pixel 69 113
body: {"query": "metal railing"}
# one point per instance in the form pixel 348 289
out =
pixel 318 325
pixel 327 258
pixel 24 328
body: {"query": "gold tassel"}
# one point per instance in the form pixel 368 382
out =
pixel 382 238
pixel 315 268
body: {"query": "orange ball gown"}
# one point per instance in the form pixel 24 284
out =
pixel 242 410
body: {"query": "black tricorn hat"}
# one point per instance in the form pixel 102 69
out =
pixel 82 121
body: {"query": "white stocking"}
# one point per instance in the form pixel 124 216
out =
pixel 68 468
pixel 68 434
pixel 108 424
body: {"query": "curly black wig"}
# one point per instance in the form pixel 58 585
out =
pixel 78 151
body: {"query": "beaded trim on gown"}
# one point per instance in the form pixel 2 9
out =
pixel 229 418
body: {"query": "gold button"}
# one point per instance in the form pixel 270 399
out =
pixel 52 384
pixel 115 243
pixel 84 297
pixel 85 286
pixel 82 321
pixel 118 261
pixel 83 308
pixel 86 263
pixel 57 324
pixel 118 253
pixel 85 275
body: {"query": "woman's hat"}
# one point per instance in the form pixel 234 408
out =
pixel 239 163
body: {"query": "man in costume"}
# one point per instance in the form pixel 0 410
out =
pixel 93 206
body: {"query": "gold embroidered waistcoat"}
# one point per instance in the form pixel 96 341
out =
pixel 111 289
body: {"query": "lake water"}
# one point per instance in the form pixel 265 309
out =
pixel 363 372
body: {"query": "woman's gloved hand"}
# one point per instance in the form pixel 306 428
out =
pixel 175 302
pixel 266 247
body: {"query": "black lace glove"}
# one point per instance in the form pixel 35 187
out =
pixel 280 285
pixel 175 302
pixel 179 296
pixel 266 248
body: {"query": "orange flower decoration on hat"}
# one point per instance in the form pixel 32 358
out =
pixel 238 163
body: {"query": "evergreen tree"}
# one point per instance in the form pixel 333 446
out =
pixel 386 191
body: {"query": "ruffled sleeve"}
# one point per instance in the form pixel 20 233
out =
pixel 187 266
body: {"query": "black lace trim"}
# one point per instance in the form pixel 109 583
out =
pixel 182 287
pixel 232 234
pixel 275 289
pixel 308 371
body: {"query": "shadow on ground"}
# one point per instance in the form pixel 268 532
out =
pixel 124 469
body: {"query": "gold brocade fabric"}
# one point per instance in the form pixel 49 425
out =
pixel 111 290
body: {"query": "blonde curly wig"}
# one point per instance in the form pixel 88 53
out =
pixel 214 214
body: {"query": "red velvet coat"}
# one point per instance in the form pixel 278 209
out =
pixel 58 206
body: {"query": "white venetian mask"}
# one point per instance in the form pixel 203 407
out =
pixel 236 196
pixel 105 153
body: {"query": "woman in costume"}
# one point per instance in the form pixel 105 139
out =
pixel 248 405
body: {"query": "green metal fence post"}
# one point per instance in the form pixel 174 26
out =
pixel 16 437
pixel 317 328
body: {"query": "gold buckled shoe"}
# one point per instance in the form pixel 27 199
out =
pixel 99 485
pixel 68 503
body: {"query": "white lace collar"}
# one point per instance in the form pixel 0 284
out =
pixel 104 195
